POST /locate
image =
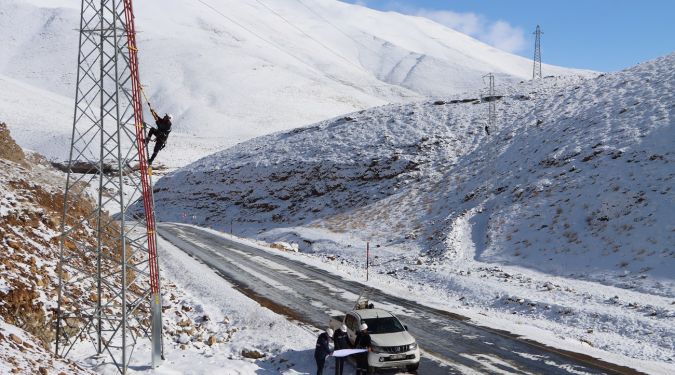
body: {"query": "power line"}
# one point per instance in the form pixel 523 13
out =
pixel 303 62
pixel 275 45
pixel 259 36
pixel 337 28
pixel 308 35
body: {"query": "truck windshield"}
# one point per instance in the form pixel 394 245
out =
pixel 384 325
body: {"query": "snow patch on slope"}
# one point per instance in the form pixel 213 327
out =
pixel 569 200
pixel 230 72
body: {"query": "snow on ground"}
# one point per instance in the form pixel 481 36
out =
pixel 561 217
pixel 557 226
pixel 29 223
pixel 233 70
pixel 208 327
pixel 198 305
pixel 39 118
pixel 286 346
pixel 21 353
pixel 457 299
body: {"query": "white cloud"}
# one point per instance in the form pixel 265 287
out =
pixel 467 23
pixel 505 37
pixel 499 34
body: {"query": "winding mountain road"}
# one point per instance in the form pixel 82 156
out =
pixel 450 343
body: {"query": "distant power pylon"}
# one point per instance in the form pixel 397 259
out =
pixel 108 268
pixel 491 99
pixel 536 71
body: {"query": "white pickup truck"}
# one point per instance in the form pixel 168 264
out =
pixel 392 345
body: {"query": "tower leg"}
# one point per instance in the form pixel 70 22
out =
pixel 157 355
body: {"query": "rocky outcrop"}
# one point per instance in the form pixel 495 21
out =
pixel 9 150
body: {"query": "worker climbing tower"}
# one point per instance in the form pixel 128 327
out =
pixel 108 269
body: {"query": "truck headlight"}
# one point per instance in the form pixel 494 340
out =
pixel 376 349
pixel 413 346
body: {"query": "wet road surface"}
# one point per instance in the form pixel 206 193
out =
pixel 450 344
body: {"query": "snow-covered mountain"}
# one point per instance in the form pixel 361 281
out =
pixel 232 70
pixel 584 168
pixel 576 181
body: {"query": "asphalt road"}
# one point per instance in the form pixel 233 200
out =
pixel 450 344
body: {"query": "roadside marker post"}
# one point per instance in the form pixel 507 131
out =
pixel 367 258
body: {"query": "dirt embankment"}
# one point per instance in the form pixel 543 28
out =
pixel 9 150
pixel 31 206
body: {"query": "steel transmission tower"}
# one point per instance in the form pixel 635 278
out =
pixel 108 269
pixel 491 99
pixel 536 71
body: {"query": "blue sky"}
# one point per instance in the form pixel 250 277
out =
pixel 603 35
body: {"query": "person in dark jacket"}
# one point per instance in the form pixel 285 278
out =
pixel 161 133
pixel 322 350
pixel 341 341
pixel 362 342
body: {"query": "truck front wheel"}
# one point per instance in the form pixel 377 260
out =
pixel 413 368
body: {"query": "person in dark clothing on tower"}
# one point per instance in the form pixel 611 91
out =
pixel 362 342
pixel 161 133
pixel 322 350
pixel 341 341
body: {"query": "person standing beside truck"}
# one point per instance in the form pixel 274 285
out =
pixel 341 341
pixel 362 341
pixel 322 350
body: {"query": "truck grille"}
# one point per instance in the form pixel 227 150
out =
pixel 396 349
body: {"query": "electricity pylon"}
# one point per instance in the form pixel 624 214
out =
pixel 536 71
pixel 108 269
pixel 491 99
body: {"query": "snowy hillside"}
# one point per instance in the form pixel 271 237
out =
pixel 29 221
pixel 233 70
pixel 575 182
pixel 594 154
pixel 200 321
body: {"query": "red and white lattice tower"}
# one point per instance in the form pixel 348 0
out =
pixel 108 269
